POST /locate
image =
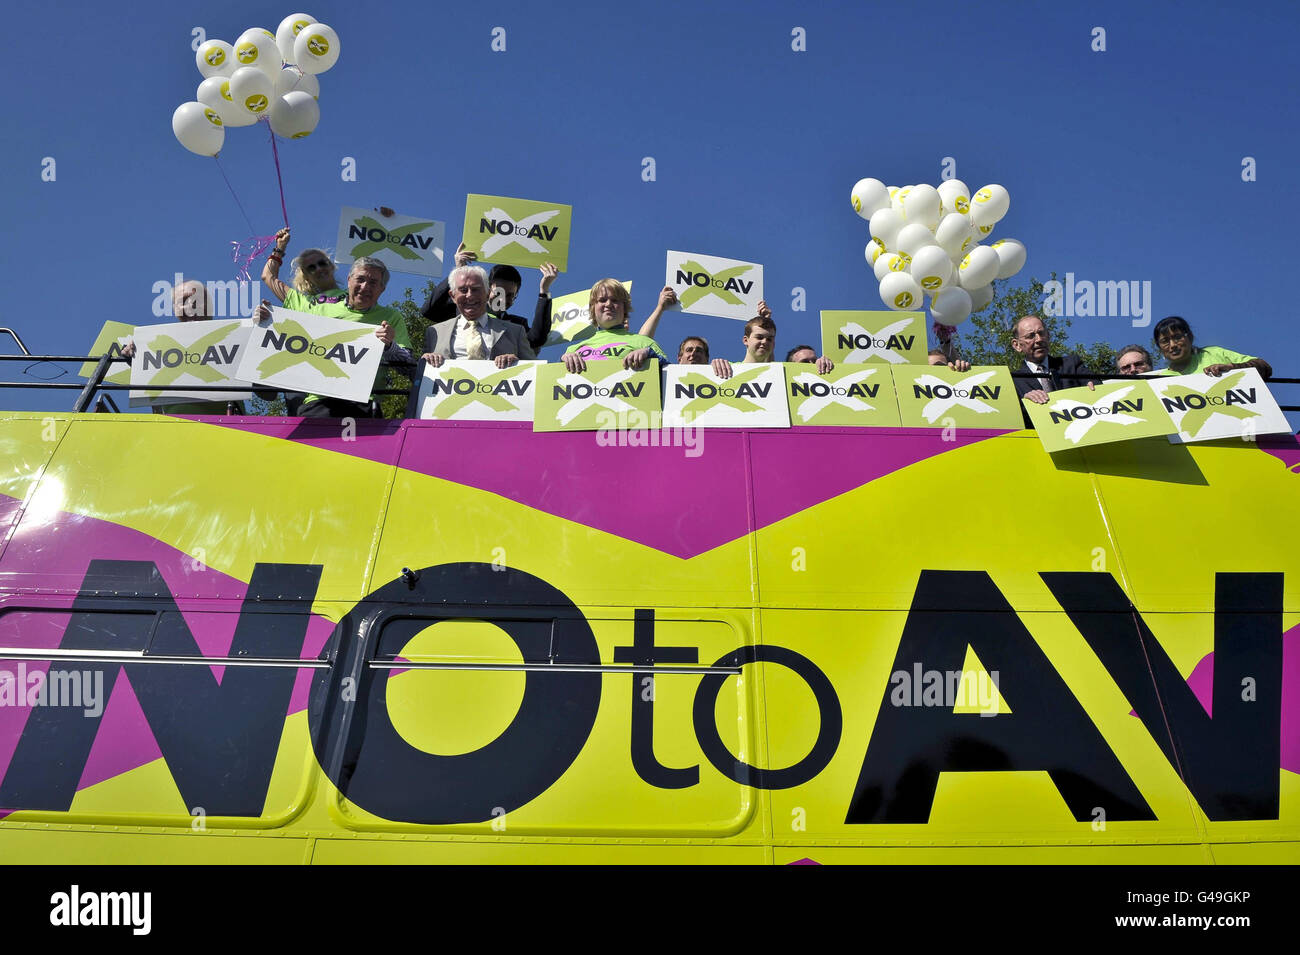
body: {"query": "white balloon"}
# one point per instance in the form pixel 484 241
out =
pixel 931 268
pixel 288 31
pixel 899 291
pixel 955 196
pixel 912 237
pixel 316 49
pixel 1011 256
pixel 215 58
pixel 868 196
pixel 922 205
pixel 989 205
pixel 873 251
pixel 952 231
pixel 199 129
pixel 290 79
pixel 980 297
pixel 251 90
pixel 896 199
pixel 256 47
pixel 209 94
pixel 979 267
pixel 885 225
pixel 294 115
pixel 952 306
pixel 891 262
pixel 232 114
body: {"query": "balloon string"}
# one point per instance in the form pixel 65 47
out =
pixel 247 221
pixel 278 178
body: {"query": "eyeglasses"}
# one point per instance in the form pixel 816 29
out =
pixel 1171 337
pixel 313 266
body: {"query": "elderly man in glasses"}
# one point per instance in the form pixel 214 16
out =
pixel 1030 338
pixel 1174 338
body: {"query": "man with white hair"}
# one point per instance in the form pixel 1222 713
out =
pixel 473 333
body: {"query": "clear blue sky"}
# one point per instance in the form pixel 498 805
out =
pixel 1121 165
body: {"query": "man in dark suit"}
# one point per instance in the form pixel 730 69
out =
pixel 1030 338
pixel 503 287
pixel 473 333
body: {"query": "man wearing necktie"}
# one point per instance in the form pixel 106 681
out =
pixel 474 334
pixel 1030 338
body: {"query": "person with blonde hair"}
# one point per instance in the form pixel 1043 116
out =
pixel 314 282
pixel 610 305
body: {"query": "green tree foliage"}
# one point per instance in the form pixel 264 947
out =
pixel 985 338
pixel 394 406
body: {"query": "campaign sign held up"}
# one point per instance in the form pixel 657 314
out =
pixel 935 396
pixel 571 316
pixel 403 243
pixel 753 397
pixel 851 395
pixel 1236 405
pixel 188 353
pixel 709 285
pixel 1115 411
pixel 113 333
pixel 518 231
pixel 464 390
pixel 595 399
pixel 850 338
pixel 311 353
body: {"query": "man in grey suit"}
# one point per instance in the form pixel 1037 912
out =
pixel 473 333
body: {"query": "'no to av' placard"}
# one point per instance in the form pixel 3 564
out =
pixel 518 231
pixel 709 285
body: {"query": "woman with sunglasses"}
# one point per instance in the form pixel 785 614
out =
pixel 1173 336
pixel 313 277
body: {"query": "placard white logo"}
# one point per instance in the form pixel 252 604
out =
pixel 969 393
pixel 1109 408
pixel 522 231
pixel 867 344
pixel 842 392
pixel 581 394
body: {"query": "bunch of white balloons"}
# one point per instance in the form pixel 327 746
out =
pixel 262 75
pixel 926 241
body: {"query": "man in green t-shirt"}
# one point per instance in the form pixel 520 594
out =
pixel 366 282
pixel 1174 338
pixel 610 306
